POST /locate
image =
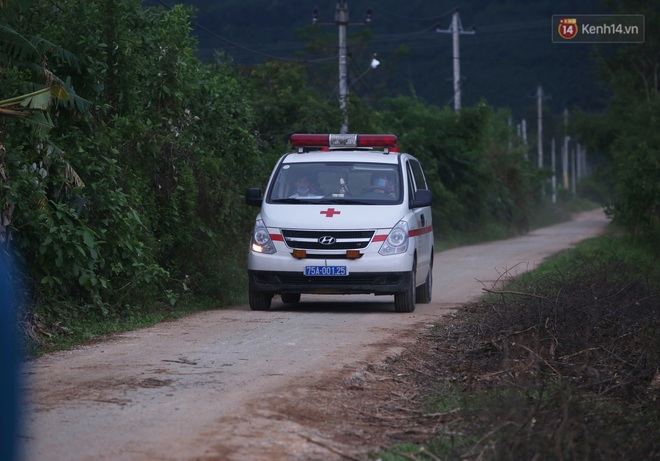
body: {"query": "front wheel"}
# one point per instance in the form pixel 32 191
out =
pixel 405 301
pixel 259 300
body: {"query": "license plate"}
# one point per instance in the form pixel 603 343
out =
pixel 326 271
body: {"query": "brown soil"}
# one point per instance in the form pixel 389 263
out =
pixel 353 414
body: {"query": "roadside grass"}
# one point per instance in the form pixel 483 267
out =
pixel 561 363
pixel 61 327
pixel 44 334
pixel 545 214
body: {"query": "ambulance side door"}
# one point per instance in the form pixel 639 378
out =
pixel 423 230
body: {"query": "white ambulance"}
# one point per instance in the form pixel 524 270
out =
pixel 342 214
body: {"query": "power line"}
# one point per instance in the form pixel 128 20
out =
pixel 514 27
pixel 408 18
pixel 249 50
pixel 383 39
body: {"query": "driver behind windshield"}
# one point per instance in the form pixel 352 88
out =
pixel 381 187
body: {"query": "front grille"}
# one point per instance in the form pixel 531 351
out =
pixel 326 256
pixel 343 240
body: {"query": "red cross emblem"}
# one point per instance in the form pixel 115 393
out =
pixel 330 212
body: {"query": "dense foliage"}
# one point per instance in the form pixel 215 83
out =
pixel 136 200
pixel 626 132
pixel 478 178
pixel 123 174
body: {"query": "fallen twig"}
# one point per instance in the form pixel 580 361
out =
pixel 330 448
pixel 518 293
pixel 540 358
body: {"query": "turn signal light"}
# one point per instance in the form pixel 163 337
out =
pixel 299 254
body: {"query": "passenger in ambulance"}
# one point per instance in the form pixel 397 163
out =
pixel 304 188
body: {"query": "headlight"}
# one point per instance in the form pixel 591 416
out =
pixel 397 240
pixel 261 242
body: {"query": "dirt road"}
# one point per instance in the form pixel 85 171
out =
pixel 234 384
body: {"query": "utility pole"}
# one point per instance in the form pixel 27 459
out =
pixel 564 152
pixel 573 166
pixel 455 30
pixel 539 116
pixel 554 174
pixel 522 134
pixel 524 130
pixel 581 162
pixel 341 20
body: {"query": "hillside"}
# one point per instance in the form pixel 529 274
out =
pixel 510 54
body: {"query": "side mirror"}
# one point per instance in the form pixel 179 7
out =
pixel 423 197
pixel 253 196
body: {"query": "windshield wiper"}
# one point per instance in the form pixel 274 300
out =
pixel 296 200
pixel 339 200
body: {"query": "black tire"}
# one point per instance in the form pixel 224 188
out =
pixel 424 292
pixel 405 301
pixel 259 301
pixel 290 298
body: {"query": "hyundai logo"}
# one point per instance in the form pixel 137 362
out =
pixel 327 240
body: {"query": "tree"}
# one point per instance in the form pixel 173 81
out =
pixel 180 134
pixel 476 170
pixel 624 131
pixel 18 51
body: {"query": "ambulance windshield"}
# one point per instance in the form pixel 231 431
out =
pixel 331 182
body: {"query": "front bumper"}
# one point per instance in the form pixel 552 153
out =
pixel 383 283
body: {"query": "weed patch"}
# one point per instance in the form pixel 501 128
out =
pixel 560 364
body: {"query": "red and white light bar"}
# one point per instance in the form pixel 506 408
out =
pixel 387 141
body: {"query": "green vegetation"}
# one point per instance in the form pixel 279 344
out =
pixel 130 201
pixel 49 335
pixel 561 363
pixel 124 160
